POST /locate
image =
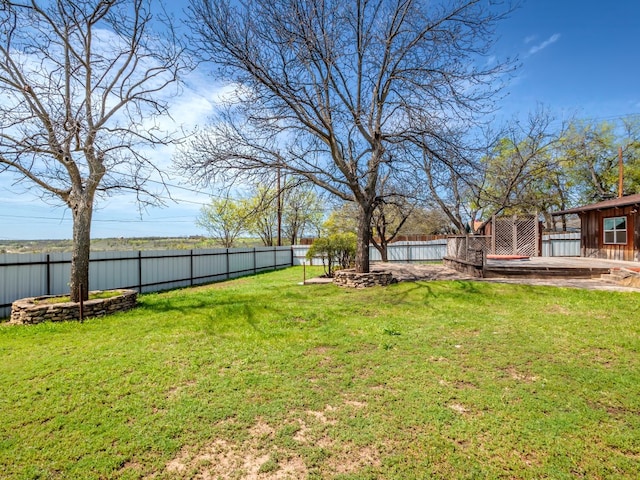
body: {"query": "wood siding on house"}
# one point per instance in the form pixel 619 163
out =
pixel 592 234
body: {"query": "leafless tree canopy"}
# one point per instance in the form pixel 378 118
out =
pixel 79 85
pixel 336 90
pixel 514 172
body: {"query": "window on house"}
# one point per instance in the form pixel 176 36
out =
pixel 615 230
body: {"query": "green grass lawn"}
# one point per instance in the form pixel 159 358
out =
pixel 264 378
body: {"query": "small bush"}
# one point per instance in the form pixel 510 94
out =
pixel 337 250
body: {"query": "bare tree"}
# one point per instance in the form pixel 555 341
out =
pixel 513 170
pixel 330 90
pixel 517 174
pixel 302 211
pixel 80 81
pixel 262 215
pixel 394 207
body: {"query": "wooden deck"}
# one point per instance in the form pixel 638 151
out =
pixel 553 267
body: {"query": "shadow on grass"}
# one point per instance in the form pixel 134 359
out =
pixel 433 289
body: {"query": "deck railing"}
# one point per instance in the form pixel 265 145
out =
pixel 469 248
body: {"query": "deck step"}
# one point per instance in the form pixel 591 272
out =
pixel 610 278
pixel 618 273
pixel 621 276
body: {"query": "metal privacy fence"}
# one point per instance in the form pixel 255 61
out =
pixel 433 250
pixel 31 275
pixel 561 245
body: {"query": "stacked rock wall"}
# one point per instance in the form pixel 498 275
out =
pixel 349 278
pixel 35 310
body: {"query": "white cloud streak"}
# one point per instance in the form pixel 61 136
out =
pixel 549 41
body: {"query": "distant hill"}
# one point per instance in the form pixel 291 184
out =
pixel 120 244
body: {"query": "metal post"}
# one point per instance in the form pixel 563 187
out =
pixel 48 274
pixel 191 267
pixel 139 271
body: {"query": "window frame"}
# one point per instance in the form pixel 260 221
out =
pixel 614 231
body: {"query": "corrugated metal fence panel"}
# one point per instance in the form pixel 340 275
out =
pixel 432 250
pixel 374 254
pixel 111 270
pixel 265 258
pixel 241 262
pixel 164 270
pixel 561 245
pixel 60 273
pixel 210 265
pixel 299 254
pixel 283 257
pixel 29 275
pixel 19 280
pixel 437 250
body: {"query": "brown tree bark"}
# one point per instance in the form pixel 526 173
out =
pixel 75 125
pixel 363 239
pixel 79 281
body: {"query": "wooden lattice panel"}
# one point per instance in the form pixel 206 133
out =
pixel 526 240
pixel 503 236
pixel 515 236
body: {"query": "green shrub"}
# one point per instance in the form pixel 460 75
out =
pixel 336 251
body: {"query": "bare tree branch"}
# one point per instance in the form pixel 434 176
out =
pixel 334 90
pixel 80 81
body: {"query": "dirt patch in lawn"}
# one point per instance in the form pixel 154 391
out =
pixel 263 457
pixel 222 459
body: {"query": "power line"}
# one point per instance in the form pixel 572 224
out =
pixel 99 220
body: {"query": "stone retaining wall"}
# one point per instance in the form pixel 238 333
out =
pixel 30 310
pixel 349 278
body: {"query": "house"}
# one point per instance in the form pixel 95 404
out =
pixel 610 229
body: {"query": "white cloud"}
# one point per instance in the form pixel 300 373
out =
pixel 530 39
pixel 549 41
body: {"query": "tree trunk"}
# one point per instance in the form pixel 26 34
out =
pixel 384 252
pixel 79 284
pixel 363 234
pixel 382 247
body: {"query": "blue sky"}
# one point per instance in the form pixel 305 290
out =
pixel 579 58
